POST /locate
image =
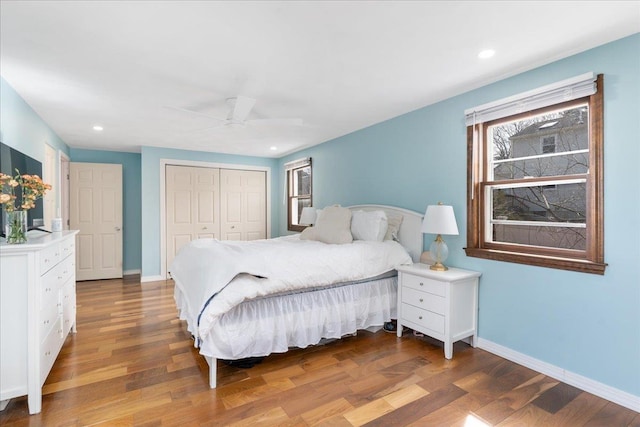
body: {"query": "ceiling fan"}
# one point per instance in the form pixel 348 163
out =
pixel 239 109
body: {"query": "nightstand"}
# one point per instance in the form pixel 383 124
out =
pixel 440 304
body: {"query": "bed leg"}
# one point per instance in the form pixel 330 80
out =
pixel 213 368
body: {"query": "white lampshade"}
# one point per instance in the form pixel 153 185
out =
pixel 440 219
pixel 308 216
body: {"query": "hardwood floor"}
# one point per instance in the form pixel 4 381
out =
pixel 132 363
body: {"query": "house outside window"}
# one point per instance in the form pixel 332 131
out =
pixel 299 194
pixel 536 186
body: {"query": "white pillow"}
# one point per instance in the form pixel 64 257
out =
pixel 370 226
pixel 333 226
pixel 393 221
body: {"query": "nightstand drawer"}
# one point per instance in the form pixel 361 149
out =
pixel 424 284
pixel 423 318
pixel 424 300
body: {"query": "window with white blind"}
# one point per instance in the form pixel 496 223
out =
pixel 535 177
pixel 299 194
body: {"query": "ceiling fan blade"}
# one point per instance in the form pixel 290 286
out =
pixel 197 113
pixel 276 122
pixel 241 109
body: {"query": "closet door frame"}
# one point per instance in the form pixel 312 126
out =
pixel 163 194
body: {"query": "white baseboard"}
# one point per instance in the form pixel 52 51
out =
pixel 151 278
pixel 604 391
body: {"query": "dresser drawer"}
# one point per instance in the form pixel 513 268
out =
pixel 66 269
pixel 67 248
pixel 424 300
pixel 48 316
pixel 68 306
pixel 49 257
pixel 49 289
pixel 49 349
pixel 423 318
pixel 424 284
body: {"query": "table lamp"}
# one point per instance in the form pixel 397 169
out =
pixel 439 219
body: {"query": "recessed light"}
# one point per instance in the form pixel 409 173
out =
pixel 487 53
pixel 274 148
pixel 98 128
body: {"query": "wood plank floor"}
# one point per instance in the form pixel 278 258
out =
pixel 132 363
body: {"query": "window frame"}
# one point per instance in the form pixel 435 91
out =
pixel 290 171
pixel 591 260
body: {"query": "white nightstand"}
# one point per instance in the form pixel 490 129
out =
pixel 440 304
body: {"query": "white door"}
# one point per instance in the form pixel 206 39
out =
pixel 243 204
pixel 193 209
pixel 96 211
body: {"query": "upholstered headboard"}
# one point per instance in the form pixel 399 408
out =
pixel 410 235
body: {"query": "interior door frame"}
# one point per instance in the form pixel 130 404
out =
pixel 163 195
pixel 63 185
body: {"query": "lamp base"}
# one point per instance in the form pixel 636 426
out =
pixel 438 266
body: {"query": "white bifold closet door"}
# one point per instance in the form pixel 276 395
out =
pixel 224 204
pixel 243 205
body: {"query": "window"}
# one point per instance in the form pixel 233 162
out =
pixel 548 144
pixel 298 191
pixel 535 179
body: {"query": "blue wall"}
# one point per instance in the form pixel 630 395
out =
pixel 151 157
pixel 132 190
pixel 586 324
pixel 23 129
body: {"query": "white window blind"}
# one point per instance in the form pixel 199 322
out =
pixel 295 164
pixel 555 93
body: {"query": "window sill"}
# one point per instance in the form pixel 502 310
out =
pixel 582 266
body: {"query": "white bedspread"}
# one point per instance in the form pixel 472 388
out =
pixel 204 267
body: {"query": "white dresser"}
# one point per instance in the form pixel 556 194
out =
pixel 440 304
pixel 37 311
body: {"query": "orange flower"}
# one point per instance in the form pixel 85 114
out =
pixel 31 189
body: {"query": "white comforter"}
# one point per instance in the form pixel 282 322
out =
pixel 204 268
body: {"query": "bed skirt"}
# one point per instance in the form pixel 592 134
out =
pixel 273 325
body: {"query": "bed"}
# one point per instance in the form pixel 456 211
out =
pixel 251 299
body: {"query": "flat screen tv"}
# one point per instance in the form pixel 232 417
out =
pixel 12 159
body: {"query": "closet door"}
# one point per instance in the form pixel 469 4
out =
pixel 243 204
pixel 193 207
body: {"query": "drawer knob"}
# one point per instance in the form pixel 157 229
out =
pixel 421 300
pixel 420 317
pixel 421 284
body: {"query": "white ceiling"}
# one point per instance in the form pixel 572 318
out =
pixel 339 66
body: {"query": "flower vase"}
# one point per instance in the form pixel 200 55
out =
pixel 15 227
